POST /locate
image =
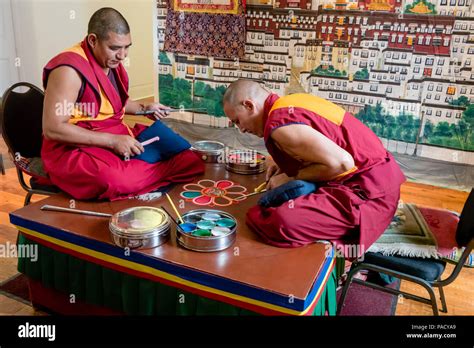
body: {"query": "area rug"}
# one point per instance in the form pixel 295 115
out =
pixel 16 288
pixel 360 301
pixel 364 301
pixel 408 235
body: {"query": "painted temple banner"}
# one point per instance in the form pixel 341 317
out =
pixel 403 67
pixel 212 28
pixel 207 6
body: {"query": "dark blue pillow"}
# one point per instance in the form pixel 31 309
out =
pixel 291 190
pixel 170 143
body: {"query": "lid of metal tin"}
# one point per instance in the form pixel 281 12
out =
pixel 138 222
pixel 209 147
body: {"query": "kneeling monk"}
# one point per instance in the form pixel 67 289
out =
pixel 312 139
pixel 87 148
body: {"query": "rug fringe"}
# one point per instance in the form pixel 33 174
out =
pixel 405 249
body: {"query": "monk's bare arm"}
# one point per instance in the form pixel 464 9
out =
pixel 61 93
pixel 160 111
pixel 132 107
pixel 324 159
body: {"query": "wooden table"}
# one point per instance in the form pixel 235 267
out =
pixel 249 275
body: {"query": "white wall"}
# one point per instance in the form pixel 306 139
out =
pixel 8 70
pixel 43 28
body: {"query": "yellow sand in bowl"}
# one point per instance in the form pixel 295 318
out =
pixel 146 219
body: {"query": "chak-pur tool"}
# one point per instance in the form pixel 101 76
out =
pixel 151 112
pixel 74 211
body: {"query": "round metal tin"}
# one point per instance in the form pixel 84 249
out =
pixel 245 162
pixel 209 150
pixel 140 227
pixel 204 239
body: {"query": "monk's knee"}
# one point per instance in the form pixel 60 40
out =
pixel 280 216
pixel 271 220
pixel 193 160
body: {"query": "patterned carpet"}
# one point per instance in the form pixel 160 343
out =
pixel 364 301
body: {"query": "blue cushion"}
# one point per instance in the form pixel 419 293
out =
pixel 170 143
pixel 427 269
pixel 291 190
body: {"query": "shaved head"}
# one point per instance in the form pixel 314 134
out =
pixel 244 102
pixel 106 20
pixel 240 90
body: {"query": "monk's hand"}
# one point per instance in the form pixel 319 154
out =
pixel 278 180
pixel 126 146
pixel 272 170
pixel 160 111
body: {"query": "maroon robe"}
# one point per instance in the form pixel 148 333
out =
pixel 88 172
pixel 356 207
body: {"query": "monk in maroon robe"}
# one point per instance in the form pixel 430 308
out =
pixel 87 148
pixel 312 139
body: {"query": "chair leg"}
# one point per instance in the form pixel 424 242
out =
pixel 444 307
pixel 358 268
pixel 434 304
pixel 28 198
pixel 2 166
pixel 351 275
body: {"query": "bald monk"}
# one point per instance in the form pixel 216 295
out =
pixel 312 139
pixel 87 148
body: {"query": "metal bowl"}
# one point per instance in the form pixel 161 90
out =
pixel 209 151
pixel 140 227
pixel 245 162
pixel 216 241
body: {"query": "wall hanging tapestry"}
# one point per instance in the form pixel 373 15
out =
pixel 212 28
pixel 403 67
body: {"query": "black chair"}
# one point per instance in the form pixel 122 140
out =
pixel 425 272
pixel 2 165
pixel 21 116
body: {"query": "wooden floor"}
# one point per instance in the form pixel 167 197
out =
pixel 459 295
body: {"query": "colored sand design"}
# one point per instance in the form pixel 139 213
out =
pixel 213 193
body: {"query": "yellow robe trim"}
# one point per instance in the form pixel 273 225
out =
pixel 319 106
pixel 350 171
pixel 81 110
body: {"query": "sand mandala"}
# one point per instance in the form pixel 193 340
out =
pixel 212 193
